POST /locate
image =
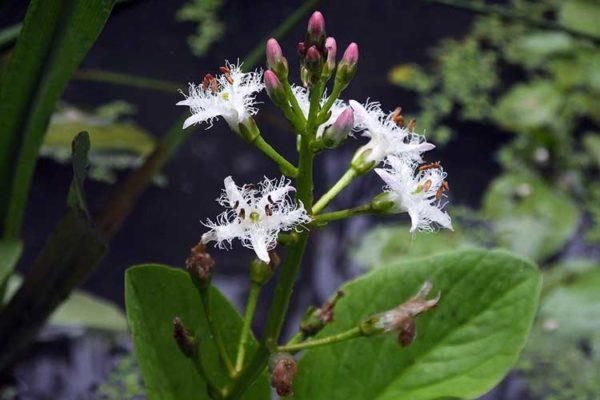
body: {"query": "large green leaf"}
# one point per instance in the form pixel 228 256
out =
pixel 530 218
pixel 154 294
pixel 463 347
pixel 55 37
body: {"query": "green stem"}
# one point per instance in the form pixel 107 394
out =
pixel 507 13
pixel 119 78
pixel 286 167
pixel 340 337
pixel 343 214
pixel 344 181
pixel 335 93
pixel 214 330
pixel 246 327
pixel 300 120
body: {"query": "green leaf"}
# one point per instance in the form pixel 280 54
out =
pixel 85 310
pixel 463 347
pixel 582 15
pixel 573 306
pixel 385 244
pixel 154 294
pixel 10 252
pixel 529 106
pixel 530 218
pixel 55 37
pixel 80 148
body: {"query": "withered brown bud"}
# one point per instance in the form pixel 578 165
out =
pixel 315 319
pixel 200 265
pixel 402 318
pixel 184 339
pixel 407 333
pixel 283 370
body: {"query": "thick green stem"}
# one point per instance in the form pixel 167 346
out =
pixel 343 214
pixel 214 330
pixel 340 337
pixel 286 167
pixel 246 327
pixel 344 181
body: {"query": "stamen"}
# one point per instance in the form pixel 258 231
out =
pixel 206 81
pixel 242 214
pixel 229 79
pixel 434 165
pixel 411 125
pixel 268 210
pixel 225 70
pixel 236 204
pixel 397 117
pixel 270 199
pixel 445 186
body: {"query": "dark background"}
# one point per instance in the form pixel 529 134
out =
pixel 143 38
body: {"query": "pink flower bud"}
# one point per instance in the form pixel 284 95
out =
pixel 351 54
pixel 275 88
pixel 331 47
pixel 274 53
pixel 272 83
pixel 316 24
pixel 341 128
pixel 312 55
pixel 275 59
pixel 301 47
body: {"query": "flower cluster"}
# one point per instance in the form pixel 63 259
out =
pixel 255 216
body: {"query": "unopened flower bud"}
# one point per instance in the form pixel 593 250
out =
pixel 315 319
pixel 313 62
pixel 362 162
pixel 200 265
pixel 315 34
pixel 383 203
pixel 283 370
pixel 340 129
pixel 331 50
pixel 248 130
pixel 275 89
pixel 275 59
pixel 261 272
pixel 301 48
pixel 347 66
pixel 402 318
pixel 184 339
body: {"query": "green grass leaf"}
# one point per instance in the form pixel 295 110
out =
pixel 55 37
pixel 463 347
pixel 10 252
pixel 154 294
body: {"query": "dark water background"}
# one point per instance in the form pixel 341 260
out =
pixel 143 38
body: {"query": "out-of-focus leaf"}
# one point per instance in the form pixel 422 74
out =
pixel 573 306
pixel 55 37
pixel 529 217
pixel 529 106
pixel 85 310
pixel 543 44
pixel 591 142
pixel 81 310
pixel 388 244
pixel 582 15
pixel 154 294
pixel 10 252
pixel 209 29
pixel 80 149
pixel 463 347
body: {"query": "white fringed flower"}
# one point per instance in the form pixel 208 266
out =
pixel 385 137
pixel 255 215
pixel 336 109
pixel 420 194
pixel 230 95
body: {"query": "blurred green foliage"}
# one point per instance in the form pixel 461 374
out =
pixel 542 87
pixel 123 383
pixel 209 29
pixel 117 141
